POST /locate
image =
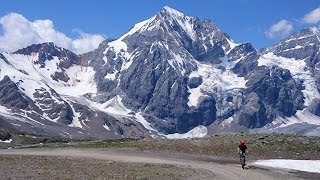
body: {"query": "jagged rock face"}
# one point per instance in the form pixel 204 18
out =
pixel 315 107
pixel 302 45
pixel 194 82
pixel 247 58
pixel 270 93
pixel 11 97
pixel 253 113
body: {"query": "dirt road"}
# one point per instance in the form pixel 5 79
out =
pixel 206 168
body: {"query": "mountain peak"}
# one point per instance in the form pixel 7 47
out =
pixel 36 48
pixel 47 51
pixel 170 11
pixel 166 14
pixel 315 30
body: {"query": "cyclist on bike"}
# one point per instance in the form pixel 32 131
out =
pixel 242 150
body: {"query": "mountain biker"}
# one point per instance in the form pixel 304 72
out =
pixel 242 150
pixel 242 147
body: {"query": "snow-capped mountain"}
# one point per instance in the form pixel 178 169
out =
pixel 172 76
pixel 40 91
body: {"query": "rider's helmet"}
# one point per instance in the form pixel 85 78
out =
pixel 241 141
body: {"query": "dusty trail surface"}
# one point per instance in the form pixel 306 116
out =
pixel 129 164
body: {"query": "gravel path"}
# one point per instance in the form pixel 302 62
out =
pixel 132 165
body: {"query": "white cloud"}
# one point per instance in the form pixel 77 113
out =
pixel 19 32
pixel 86 41
pixel 280 29
pixel 312 17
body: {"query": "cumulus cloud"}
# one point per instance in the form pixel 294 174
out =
pixel 312 17
pixel 18 32
pixel 279 29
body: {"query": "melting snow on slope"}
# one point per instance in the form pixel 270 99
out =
pixel 297 69
pixel 144 122
pixel 213 80
pixel 75 121
pixel 113 106
pixel 197 132
pixel 81 81
pixel 302 116
pixel 141 26
pixel 300 165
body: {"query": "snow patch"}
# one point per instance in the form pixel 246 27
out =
pixel 197 132
pixel 141 26
pixel 177 62
pixel 144 122
pixel 75 121
pixel 106 127
pixel 113 106
pixel 232 44
pixel 81 82
pixel 194 96
pixel 111 76
pixel 294 48
pixel 172 11
pixel 228 64
pixel 213 80
pixel 51 67
pixel 6 141
pixel 119 47
pixel 227 122
pixel 300 165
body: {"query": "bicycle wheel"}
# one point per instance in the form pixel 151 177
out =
pixel 242 161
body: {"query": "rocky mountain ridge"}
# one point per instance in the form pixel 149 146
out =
pixel 169 76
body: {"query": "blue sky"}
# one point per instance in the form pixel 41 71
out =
pixel 243 20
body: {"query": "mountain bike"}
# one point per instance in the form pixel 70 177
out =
pixel 243 160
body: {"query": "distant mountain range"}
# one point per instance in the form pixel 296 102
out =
pixel 169 76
